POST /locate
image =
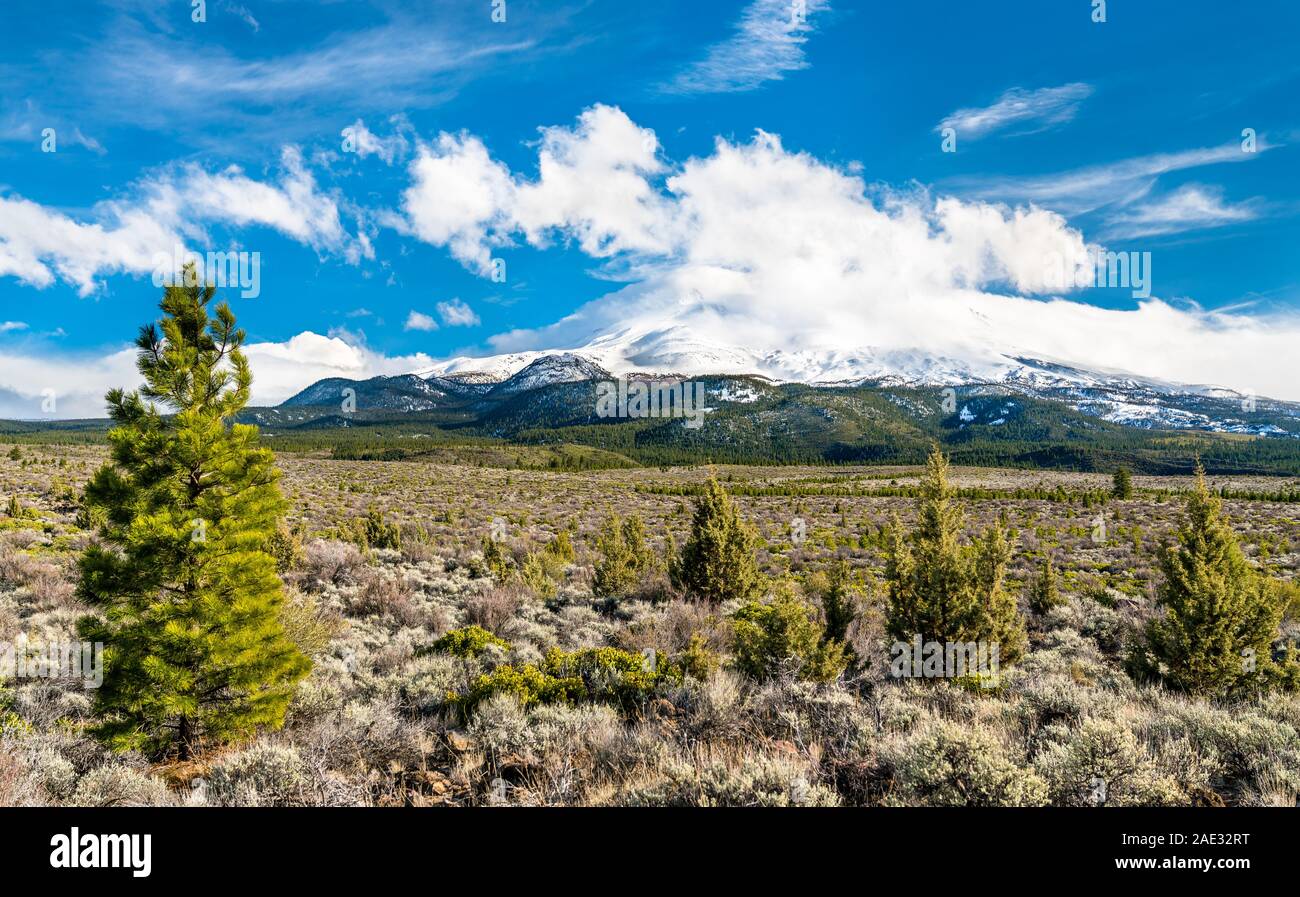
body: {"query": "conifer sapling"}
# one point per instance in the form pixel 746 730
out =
pixel 187 595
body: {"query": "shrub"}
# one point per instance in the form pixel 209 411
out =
pixel 496 560
pixel 951 765
pixel 784 636
pixel 527 684
pixel 698 660
pixel 540 573
pixel 493 609
pixel 589 674
pixel 624 559
pixel 263 775
pixel 285 545
pixel 1220 616
pixel 120 786
pixel 944 591
pixel 1044 591
pixel 718 561
pixel 379 533
pixel 1102 764
pixel 332 562
pixel 471 641
pixel 306 624
pixel 748 781
pixel 561 548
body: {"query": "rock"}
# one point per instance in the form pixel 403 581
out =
pixel 459 741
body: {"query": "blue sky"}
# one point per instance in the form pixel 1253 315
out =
pixel 227 132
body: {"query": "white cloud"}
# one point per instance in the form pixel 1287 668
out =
pixel 26 122
pixel 419 321
pixel 772 259
pixel 768 42
pixel 1115 184
pixel 365 142
pixel 457 314
pixel 1191 207
pixel 39 245
pixel 79 381
pixel 1040 108
pixel 243 14
pixel 282 369
pixel 458 194
pixel 593 186
pixel 416 59
pixel 11 326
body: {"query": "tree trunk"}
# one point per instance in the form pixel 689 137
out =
pixel 185 738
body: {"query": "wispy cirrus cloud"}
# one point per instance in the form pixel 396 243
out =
pixel 1086 189
pixel 25 122
pixel 768 42
pixel 1037 109
pixel 407 61
pixel 1190 207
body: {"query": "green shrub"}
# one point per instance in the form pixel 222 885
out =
pixel 588 674
pixel 1220 616
pixel 285 545
pixel 496 560
pixel 1044 591
pixel 624 559
pixel 471 641
pixel 379 533
pixel 718 561
pixel 698 660
pixel 944 591
pixel 782 635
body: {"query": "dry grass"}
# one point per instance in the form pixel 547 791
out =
pixel 372 723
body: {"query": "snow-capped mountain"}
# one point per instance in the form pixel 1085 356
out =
pixel 977 368
pixel 1114 396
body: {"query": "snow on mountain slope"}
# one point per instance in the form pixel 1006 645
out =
pixel 695 339
pixel 671 348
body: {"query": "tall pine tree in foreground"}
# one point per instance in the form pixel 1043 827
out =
pixel 188 597
pixel 944 590
pixel 1221 615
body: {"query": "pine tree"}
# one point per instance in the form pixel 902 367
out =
pixel 625 558
pixel 615 570
pixel 943 590
pixel 840 601
pixel 718 561
pixel 194 649
pixel 1044 591
pixel 1221 616
pixel 1123 483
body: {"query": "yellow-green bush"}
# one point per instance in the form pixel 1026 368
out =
pixel 471 641
pixel 784 634
pixel 588 674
